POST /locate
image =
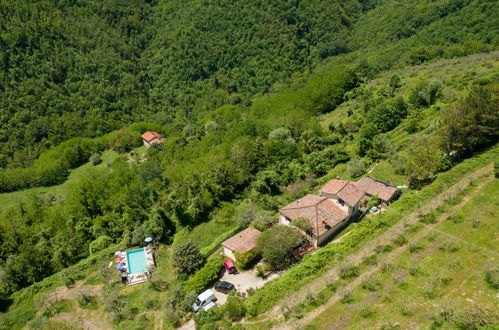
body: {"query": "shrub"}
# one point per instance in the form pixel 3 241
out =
pixel 246 260
pixel 366 312
pixel 456 218
pixel 430 292
pixel 264 220
pixel 208 319
pixel 414 269
pixel 476 317
pixel 443 314
pixel 449 246
pixel 261 270
pixel 177 304
pixel 405 309
pixel 400 240
pixel 415 248
pixel 277 245
pixel 386 267
pixel 67 278
pixel 492 276
pixel 475 222
pixel 87 301
pixel 156 282
pixel 349 271
pixel 303 224
pixel 374 201
pixel 356 168
pixel 347 298
pixel 205 277
pixel 57 307
pixel 371 260
pixel 95 158
pixel 186 257
pixel 371 283
pixel 234 308
pixel 100 244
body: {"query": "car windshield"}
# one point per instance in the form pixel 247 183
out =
pixel 198 302
pixel 232 269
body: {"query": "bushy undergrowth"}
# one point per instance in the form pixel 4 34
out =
pixel 205 277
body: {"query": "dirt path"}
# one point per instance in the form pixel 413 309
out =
pixel 387 237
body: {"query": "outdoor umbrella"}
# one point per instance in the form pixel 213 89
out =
pixel 118 260
pixel 148 239
pixel 117 253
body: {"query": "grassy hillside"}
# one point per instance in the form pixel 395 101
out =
pixel 59 192
pixel 446 279
pixel 181 163
pixel 255 115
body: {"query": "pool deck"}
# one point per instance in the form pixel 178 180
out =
pixel 141 276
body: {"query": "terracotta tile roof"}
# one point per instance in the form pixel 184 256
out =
pixel 243 241
pixel 345 190
pixel 333 186
pixel 350 194
pixel 322 212
pixel 378 188
pixel 152 137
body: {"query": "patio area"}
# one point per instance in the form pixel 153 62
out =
pixel 134 265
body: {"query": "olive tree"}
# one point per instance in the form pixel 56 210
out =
pixel 277 245
pixel 186 257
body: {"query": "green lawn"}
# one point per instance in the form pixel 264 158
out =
pixel 59 192
pixel 442 282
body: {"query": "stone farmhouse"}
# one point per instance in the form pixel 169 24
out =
pixel 336 206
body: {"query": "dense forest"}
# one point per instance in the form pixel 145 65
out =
pixel 85 68
pixel 237 88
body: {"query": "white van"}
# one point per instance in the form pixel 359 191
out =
pixel 205 301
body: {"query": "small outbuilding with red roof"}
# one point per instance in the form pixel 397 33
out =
pixel 150 137
pixel 243 241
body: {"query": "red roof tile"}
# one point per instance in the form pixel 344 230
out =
pixel 345 190
pixel 333 186
pixel 243 241
pixel 350 194
pixel 322 212
pixel 378 188
pixel 152 137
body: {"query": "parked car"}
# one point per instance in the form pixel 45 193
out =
pixel 229 266
pixel 205 301
pixel 224 287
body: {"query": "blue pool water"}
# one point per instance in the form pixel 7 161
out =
pixel 136 261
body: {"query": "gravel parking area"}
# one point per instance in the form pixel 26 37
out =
pixel 242 281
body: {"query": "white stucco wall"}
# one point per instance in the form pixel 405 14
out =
pixel 229 253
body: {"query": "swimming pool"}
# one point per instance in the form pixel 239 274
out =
pixel 136 261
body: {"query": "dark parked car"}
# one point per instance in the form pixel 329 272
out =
pixel 224 287
pixel 229 265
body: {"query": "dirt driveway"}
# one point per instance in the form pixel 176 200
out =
pixel 242 281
